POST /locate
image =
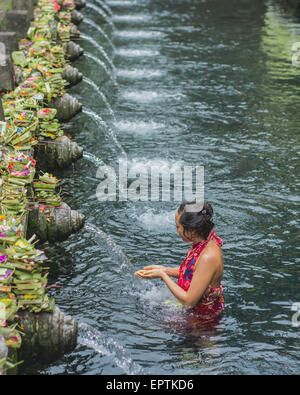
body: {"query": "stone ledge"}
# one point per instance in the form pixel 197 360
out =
pixel 18 21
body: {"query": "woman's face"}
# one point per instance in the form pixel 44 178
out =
pixel 179 229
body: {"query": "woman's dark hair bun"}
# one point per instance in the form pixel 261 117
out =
pixel 196 218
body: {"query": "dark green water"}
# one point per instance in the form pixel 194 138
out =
pixel 206 83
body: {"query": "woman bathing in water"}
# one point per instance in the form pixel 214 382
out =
pixel 200 274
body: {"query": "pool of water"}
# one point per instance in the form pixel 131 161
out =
pixel 202 83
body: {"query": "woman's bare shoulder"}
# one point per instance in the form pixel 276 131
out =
pixel 212 251
pixel 212 256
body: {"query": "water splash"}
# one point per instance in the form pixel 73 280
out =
pixel 105 7
pixel 161 222
pixel 93 158
pixel 119 3
pixel 138 34
pixel 128 52
pixel 100 30
pixel 137 18
pixel 101 94
pixel 163 166
pixel 100 63
pixel 139 73
pixel 105 241
pixel 99 49
pixel 107 129
pixel 100 12
pixel 107 346
pixel 139 127
pixel 148 96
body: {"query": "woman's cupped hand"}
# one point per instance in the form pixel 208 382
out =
pixel 152 271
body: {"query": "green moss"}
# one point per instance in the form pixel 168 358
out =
pixel 6 3
pixel 2 20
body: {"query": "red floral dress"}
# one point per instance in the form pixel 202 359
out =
pixel 212 302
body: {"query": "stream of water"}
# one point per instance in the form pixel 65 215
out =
pixel 203 83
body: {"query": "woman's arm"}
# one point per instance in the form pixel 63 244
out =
pixel 202 277
pixel 171 271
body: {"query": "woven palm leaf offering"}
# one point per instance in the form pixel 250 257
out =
pixel 24 118
pixel 22 138
pixel 45 189
pixel 20 168
pixel 67 5
pixel 11 229
pixel 40 32
pixel 7 299
pixel 64 32
pixel 29 88
pixel 3 126
pixel 18 106
pixel 36 303
pixel 7 271
pixel 30 289
pixel 24 45
pixel 19 58
pixel 5 276
pixel 37 45
pixel 10 107
pixel 53 54
pixel 49 7
pixel 13 201
pixel 51 130
pixel 8 304
pixel 17 171
pixel 57 84
pixel 8 236
pixel 22 255
pixel 58 56
pixel 12 336
pixel 30 103
pixel 44 52
pixel 64 17
pixel 22 276
pixel 46 114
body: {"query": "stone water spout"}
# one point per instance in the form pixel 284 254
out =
pixel 67 107
pixel 47 336
pixel 79 4
pixel 74 32
pixel 54 224
pixel 73 51
pixel 57 154
pixel 72 75
pixel 76 17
